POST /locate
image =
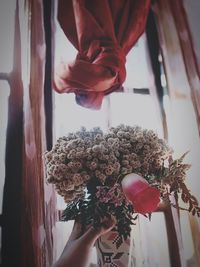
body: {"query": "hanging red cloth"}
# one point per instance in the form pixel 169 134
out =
pixel 103 32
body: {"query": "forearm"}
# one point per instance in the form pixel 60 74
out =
pixel 75 256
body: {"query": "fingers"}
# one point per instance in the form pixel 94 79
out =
pixel 107 225
pixel 92 234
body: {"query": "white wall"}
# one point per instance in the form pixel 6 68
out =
pixel 192 8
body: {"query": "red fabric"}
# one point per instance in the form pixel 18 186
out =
pixel 145 199
pixel 103 32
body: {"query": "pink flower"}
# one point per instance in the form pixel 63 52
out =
pixel 112 195
pixel 145 199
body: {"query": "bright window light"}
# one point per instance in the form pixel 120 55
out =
pixel 187 238
pixel 138 68
pixel 7 16
pixel 70 117
pixel 153 241
pixel 133 109
pixel 4 94
pixel 126 107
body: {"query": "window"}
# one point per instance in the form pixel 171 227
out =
pixel 7 9
pixel 4 87
pixel 7 15
pixel 135 105
pixel 151 241
pixel 4 94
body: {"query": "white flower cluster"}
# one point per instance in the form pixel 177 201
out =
pixel 84 155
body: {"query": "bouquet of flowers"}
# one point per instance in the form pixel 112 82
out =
pixel 123 172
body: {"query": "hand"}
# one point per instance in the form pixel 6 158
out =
pixel 77 250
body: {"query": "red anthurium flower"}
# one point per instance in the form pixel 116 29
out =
pixel 145 199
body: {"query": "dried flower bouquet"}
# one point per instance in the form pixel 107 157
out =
pixel 88 169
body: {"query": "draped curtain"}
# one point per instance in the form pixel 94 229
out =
pixel 103 32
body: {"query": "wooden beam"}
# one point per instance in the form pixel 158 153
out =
pixel 195 229
pixel 5 76
pixel 174 237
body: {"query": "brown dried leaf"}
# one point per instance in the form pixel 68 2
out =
pixel 183 156
pixel 194 200
pixel 193 211
pixel 190 207
pixel 176 196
